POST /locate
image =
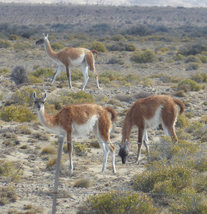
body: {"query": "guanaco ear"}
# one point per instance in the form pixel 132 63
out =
pixel 34 95
pixel 44 96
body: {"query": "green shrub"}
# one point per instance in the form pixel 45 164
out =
pixel 192 66
pixel 43 72
pixel 23 96
pixel 192 59
pixel 108 76
pixel 4 71
pixel 32 79
pixel 10 170
pixel 201 184
pixel 57 46
pixel 74 98
pixel 188 85
pixel 120 46
pixel 22 46
pixel 5 44
pixel 180 177
pixel 80 149
pixel 202 77
pixel 75 75
pixel 118 202
pixel 118 37
pixel 146 56
pixel 193 49
pixel 182 121
pixel 203 58
pixel 7 195
pixel 192 203
pixel 99 46
pixel 16 113
pixel 201 164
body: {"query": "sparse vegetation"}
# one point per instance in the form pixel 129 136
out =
pixel 189 85
pixel 145 56
pixel 7 195
pixel 17 113
pixel 118 202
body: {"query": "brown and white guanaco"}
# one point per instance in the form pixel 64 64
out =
pixel 71 56
pixel 147 113
pixel 79 120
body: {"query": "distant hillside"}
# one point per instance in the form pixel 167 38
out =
pixel 160 3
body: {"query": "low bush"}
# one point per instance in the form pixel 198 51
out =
pixel 7 195
pixel 57 46
pixel 146 56
pixel 5 44
pixel 23 96
pixel 16 113
pixel 201 77
pixel 99 46
pixel 192 59
pixel 190 203
pixel 120 46
pixel 118 202
pixel 182 121
pixel 4 71
pixel 22 46
pixel 43 72
pixel 10 170
pixel 118 37
pixel 188 85
pixel 80 149
pixel 179 176
pixel 19 75
pixel 192 66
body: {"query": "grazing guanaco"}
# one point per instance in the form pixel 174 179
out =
pixel 147 113
pixel 71 56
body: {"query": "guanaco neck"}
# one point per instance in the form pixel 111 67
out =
pixel 46 120
pixel 126 131
pixel 49 49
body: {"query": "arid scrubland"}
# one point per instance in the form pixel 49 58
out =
pixel 142 51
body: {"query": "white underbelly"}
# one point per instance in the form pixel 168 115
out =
pixel 84 129
pixel 77 61
pixel 155 120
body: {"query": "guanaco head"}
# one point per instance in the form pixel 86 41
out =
pixel 41 41
pixel 39 102
pixel 124 151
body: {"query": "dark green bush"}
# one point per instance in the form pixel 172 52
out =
pixel 188 85
pixel 118 203
pixel 146 56
pixel 120 46
pixel 99 46
pixel 193 49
